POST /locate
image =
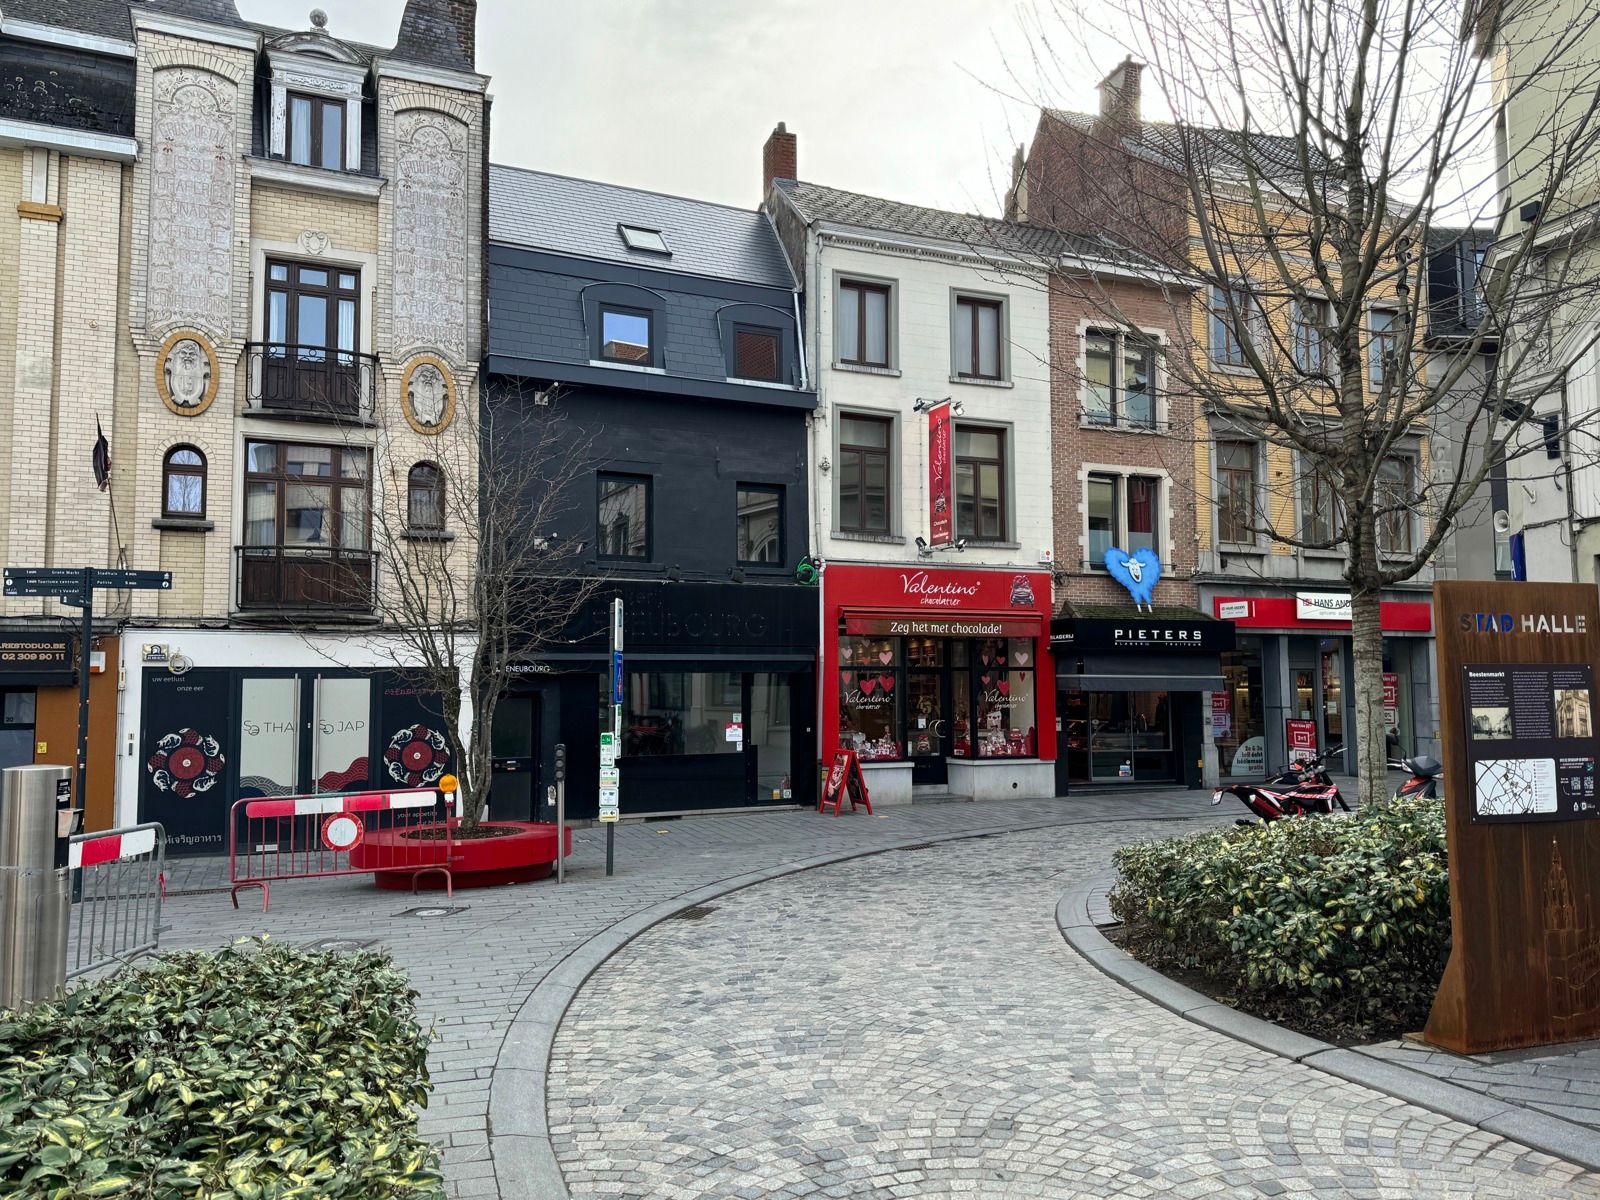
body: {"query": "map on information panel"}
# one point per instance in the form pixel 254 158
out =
pixel 1531 745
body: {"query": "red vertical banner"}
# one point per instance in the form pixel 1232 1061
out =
pixel 941 470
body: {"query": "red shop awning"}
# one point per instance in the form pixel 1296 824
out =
pixel 891 623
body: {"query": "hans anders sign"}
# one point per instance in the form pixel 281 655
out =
pixel 1322 606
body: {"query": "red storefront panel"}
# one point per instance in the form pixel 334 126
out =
pixel 1281 612
pixel 936 601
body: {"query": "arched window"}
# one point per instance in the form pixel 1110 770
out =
pixel 425 494
pixel 183 483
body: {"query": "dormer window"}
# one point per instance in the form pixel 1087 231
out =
pixel 637 237
pixel 316 131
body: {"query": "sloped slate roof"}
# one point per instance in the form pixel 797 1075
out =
pixel 1036 243
pixel 102 18
pixel 1226 152
pixel 540 211
pixel 217 12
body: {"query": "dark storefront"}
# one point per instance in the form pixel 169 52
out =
pixel 1131 690
pixel 720 697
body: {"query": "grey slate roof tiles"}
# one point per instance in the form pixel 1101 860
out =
pixel 102 18
pixel 555 213
pixel 1037 244
pixel 1225 152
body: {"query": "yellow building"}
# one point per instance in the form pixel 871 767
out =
pixel 251 256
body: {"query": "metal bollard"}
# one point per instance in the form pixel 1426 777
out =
pixel 36 821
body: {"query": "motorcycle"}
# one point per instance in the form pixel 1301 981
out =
pixel 1305 789
pixel 1424 782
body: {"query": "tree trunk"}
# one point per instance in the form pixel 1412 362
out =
pixel 1372 752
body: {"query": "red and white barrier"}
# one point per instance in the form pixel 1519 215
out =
pixel 110 847
pixel 316 837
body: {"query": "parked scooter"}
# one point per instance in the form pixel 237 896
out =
pixel 1424 782
pixel 1305 789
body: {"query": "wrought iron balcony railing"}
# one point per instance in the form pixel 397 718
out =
pixel 305 579
pixel 311 381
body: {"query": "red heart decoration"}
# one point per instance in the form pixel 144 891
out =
pixel 1001 659
pixel 867 685
pixel 985 657
pixel 886 682
pixel 1005 688
pixel 987 679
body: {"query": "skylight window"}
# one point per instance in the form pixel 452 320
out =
pixel 636 237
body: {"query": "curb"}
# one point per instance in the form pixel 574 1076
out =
pixel 1540 1131
pixel 520 1151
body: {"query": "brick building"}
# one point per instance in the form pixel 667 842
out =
pixel 264 276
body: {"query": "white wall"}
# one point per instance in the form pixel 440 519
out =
pixel 925 282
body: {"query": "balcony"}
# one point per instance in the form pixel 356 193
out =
pixel 304 580
pixel 310 382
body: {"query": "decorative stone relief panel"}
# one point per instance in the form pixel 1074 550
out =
pixel 192 165
pixel 430 232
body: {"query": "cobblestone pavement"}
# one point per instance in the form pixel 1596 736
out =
pixel 913 1025
pixel 1563 1080
pixel 474 968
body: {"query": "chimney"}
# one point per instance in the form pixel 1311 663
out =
pixel 1119 95
pixel 439 33
pixel 780 159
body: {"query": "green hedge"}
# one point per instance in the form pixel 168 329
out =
pixel 1341 923
pixel 255 1073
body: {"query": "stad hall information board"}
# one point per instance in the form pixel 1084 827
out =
pixel 1516 717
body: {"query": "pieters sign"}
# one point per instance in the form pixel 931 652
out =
pixel 1141 633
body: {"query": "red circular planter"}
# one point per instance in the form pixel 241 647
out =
pixel 527 854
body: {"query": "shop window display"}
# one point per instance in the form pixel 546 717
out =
pixel 1238 724
pixel 680 712
pixel 869 699
pixel 1002 677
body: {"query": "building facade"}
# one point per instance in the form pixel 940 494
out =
pixel 659 336
pixel 927 334
pixel 281 301
pixel 1293 658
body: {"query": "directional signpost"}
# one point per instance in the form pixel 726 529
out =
pixel 76 586
pixel 610 784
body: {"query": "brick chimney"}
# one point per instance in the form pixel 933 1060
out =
pixel 1119 95
pixel 780 158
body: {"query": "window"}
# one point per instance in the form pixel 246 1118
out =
pixel 306 497
pixel 183 488
pixel 869 711
pixel 625 335
pixel 756 354
pixel 863 331
pixel 980 460
pixel 1228 340
pixel 637 237
pixel 864 474
pixel 1455 296
pixel 316 131
pixel 1321 508
pixel 1119 379
pixel 624 517
pixel 1236 492
pixel 1122 511
pixel 1384 324
pixel 311 310
pixel 1394 495
pixel 1004 712
pixel 977 341
pixel 1313 343
pixel 760 537
pixel 681 712
pixel 425 499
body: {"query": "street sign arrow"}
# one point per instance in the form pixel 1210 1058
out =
pixel 121 580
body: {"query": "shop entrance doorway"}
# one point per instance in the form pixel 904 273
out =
pixel 515 792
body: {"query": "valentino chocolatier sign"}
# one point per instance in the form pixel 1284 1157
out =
pixel 1517 720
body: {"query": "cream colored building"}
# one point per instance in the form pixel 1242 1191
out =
pixel 262 278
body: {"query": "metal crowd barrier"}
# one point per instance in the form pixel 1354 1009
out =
pixel 315 837
pixel 117 916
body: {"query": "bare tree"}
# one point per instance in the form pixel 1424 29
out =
pixel 475 573
pixel 1319 151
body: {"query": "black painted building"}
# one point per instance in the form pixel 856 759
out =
pixel 663 331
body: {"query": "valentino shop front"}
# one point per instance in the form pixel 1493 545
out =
pixel 1132 691
pixel 939 678
pixel 1293 661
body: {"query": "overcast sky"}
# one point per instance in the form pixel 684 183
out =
pixel 901 98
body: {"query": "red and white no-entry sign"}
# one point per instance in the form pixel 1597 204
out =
pixel 341 831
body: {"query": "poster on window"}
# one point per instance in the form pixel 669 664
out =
pixel 1391 700
pixel 1221 714
pixel 413 751
pixel 185 748
pixel 1302 739
pixel 941 468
